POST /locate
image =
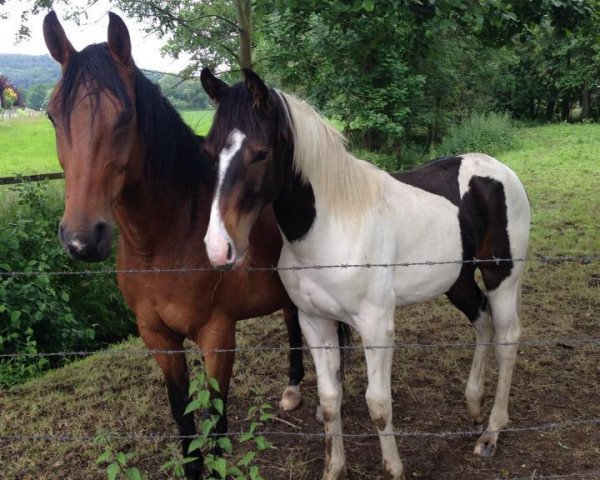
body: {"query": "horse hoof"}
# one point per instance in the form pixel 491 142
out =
pixel 486 445
pixel 319 415
pixel 291 398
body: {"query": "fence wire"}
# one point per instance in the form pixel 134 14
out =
pixel 567 343
pixel 536 476
pixel 282 433
pixel 581 259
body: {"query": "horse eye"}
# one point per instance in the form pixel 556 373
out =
pixel 51 119
pixel 259 156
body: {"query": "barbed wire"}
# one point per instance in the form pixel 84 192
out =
pixel 565 342
pixel 582 259
pixel 282 433
pixel 535 476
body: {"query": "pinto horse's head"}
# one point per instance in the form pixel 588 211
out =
pixel 249 137
pixel 92 110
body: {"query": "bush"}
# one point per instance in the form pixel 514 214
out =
pixel 43 312
pixel 489 133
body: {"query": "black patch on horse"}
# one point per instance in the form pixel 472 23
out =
pixel 483 223
pixel 295 208
pixel 439 177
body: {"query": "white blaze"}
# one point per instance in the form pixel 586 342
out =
pixel 217 239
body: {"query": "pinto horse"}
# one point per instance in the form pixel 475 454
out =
pixel 334 209
pixel 129 157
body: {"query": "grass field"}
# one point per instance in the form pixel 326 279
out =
pixel 27 144
pixel 560 167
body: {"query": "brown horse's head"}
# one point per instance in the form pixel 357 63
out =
pixel 92 110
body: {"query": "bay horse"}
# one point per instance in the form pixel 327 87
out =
pixel 129 158
pixel 333 209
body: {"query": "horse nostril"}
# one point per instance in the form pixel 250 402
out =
pixel 100 231
pixel 229 252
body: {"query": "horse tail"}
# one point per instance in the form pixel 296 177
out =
pixel 345 340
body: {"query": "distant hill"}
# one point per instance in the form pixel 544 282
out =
pixel 23 71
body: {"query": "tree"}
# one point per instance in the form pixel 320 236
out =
pixel 35 96
pixel 9 94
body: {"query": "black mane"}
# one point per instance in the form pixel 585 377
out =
pixel 174 156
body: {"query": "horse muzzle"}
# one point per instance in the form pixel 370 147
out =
pixel 91 245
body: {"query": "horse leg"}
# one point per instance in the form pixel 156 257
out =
pixel 174 367
pixel 505 315
pixel 321 336
pixel 291 398
pixel 379 332
pixel 219 334
pixel 466 295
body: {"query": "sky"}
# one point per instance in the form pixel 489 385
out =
pixel 145 48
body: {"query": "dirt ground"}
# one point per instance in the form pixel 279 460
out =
pixel 558 382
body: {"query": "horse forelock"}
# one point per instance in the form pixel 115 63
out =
pixel 173 154
pixel 94 69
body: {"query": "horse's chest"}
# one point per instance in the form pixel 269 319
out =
pixel 310 295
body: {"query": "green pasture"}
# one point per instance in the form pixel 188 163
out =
pixel 27 146
pixel 558 164
pixel 27 143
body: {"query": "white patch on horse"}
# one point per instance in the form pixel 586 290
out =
pixel 399 224
pixel 216 233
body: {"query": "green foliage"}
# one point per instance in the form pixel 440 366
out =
pixel 36 96
pixel 219 467
pixel 204 397
pixel 116 462
pixel 46 312
pixel 489 133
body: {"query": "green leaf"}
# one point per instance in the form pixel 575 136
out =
pixel 104 457
pixel 214 384
pixel 196 444
pixel 369 5
pixel 204 398
pixel 219 406
pixel 112 471
pixel 134 474
pixel 193 406
pixel 246 436
pixel 265 416
pixel 225 444
pixel 247 458
pixel 262 444
pixel 220 466
pixel 121 458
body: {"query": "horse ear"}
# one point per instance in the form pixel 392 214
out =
pixel 56 40
pixel 119 41
pixel 254 83
pixel 214 87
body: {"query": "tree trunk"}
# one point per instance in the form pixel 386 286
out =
pixel 585 103
pixel 565 109
pixel 244 16
pixel 550 107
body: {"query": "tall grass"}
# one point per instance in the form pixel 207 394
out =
pixel 489 133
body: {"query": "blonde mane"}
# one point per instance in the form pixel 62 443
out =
pixel 347 185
